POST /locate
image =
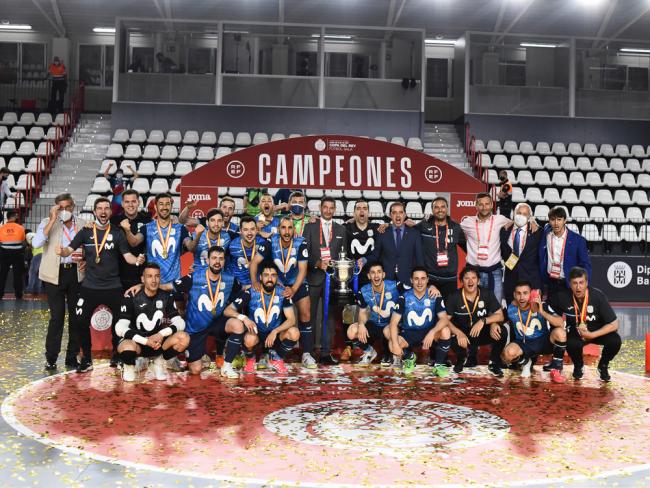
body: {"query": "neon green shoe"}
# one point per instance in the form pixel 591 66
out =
pixel 408 365
pixel 440 370
pixel 239 361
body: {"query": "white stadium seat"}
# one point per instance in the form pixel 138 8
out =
pixel 500 161
pixel 479 145
pixel 399 141
pixel 114 151
pixel 622 151
pixel 551 163
pixel 36 134
pixel 611 180
pixel 559 149
pixel 570 196
pixel 226 139
pixel 25 182
pixel 141 185
pixel 587 196
pixel 526 147
pixel 576 178
pixel 3 132
pixel 552 196
pixel 182 168
pixel 525 178
pixel 591 233
pixel 208 138
pixel 222 151
pixel 406 195
pixel 414 209
pixel 615 214
pixel 415 143
pixel 517 161
pixel 607 150
pixel 634 214
pixel 567 163
pixel 187 153
pixel 159 185
pixel 628 233
pixel 164 168
pixel 543 178
pixel 121 136
pixel 638 151
pixel 541 212
pixel 105 164
pixel 604 197
pixel 574 149
pixel 9 118
pixel 617 165
pixel 260 138
pixel 243 139
pixel 597 213
pixel 591 150
pixel 277 137
pixel 206 153
pixel 151 151
pixel 584 164
pixel 610 233
pixel 593 179
pixel 494 147
pixel 381 138
pixel 191 137
pixel 17 133
pixel 127 166
pixel 146 168
pixel 26 149
pixel 534 195
pixel 44 119
pixel 510 147
pixel 132 151
pixel 294 135
pixel 173 137
pixel 633 165
pixel 560 179
pixel 518 195
pixel 579 213
pixel 174 186
pixel 640 197
pixel 486 161
pixel 156 137
pixel 101 185
pixel 27 118
pixel 169 153
pixel 7 148
pixel 534 163
pixel 138 136
pixel 16 165
pixel 643 181
pixel 543 149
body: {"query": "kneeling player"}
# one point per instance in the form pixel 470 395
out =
pixel 149 326
pixel 376 301
pixel 530 320
pixel 417 312
pixel 268 317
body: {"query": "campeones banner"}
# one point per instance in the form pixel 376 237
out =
pixel 333 162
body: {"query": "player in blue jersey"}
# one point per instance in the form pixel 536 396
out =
pixel 376 301
pixel 164 240
pixel 268 317
pixel 419 319
pixel 203 239
pixel 208 291
pixel 226 205
pixel 243 249
pixel 267 223
pixel 290 255
pixel 529 325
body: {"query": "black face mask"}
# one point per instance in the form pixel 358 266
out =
pixel 503 178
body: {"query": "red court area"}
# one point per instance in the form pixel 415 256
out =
pixel 344 425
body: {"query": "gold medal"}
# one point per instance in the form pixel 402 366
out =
pixel 214 312
pixel 100 247
pixel 214 296
pixel 376 309
pixel 164 254
pixel 581 313
pixel 164 240
pixel 97 259
pixel 269 309
pixel 582 324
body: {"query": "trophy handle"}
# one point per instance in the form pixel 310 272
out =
pixel 357 268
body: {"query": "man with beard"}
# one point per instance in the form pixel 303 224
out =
pixel 226 205
pixel 102 246
pixel 267 222
pixel 290 256
pixel 243 249
pixel 131 220
pixel 269 319
pixel 207 292
pixel 202 240
pixel 149 326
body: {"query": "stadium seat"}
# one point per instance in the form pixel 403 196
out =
pixel 16 165
pixel 604 197
pixel 559 149
pixel 615 214
pixel 114 151
pixel 52 134
pixel 101 185
pixel 510 147
pixel 187 152
pixel 526 148
pixel 90 202
pixel 574 149
pixel 617 165
pixel 628 233
pixel 190 138
pixel 587 196
pixel 316 193
pixel 3 132
pixel 9 118
pixel 141 185
pixel 164 168
pixel 206 153
pixel 414 209
pixel 381 138
pixel 534 195
pixel 643 181
pixel 105 164
pixel 491 177
pixel 243 139
pixel 138 136
pixel 352 194
pixel 132 151
pixel 486 161
pixel 146 168
pixel 542 178
pixel 479 145
pixel 518 195
pixel 44 119
pixel 646 165
pixel 634 214
pixel 543 149
pixel 25 182
pixel 371 195
pixel 500 161
pixel 159 185
pixel 399 141
pixel 622 151
pixel 127 166
pixel 17 133
pixel 222 151
pixel 591 150
pixel 494 147
pixel 610 233
pixel 173 137
pixel 525 178
pixel 260 138
pixel 151 151
pixel 406 195
pixel 33 166
pixel 226 139
pixel 584 164
pixel 169 153
pixel 640 197
pixel 638 151
pixel 174 186
pixel 294 135
pixel 551 163
pixel 591 233
pixel 633 166
pixel 579 213
pixel 534 163
pixel 43 148
pixel 208 138
pixel 26 148
pixel 593 179
pixel 517 161
pixel 607 150
pixel 7 148
pixel 622 197
pixel 121 136
pixel 59 120
pixel 415 143
pixel 182 168
pixel 156 137
pixel 277 137
pixel 237 192
pixel 390 195
pixel 552 196
pixel 541 212
pixel 36 134
pixel 313 206
pixel 560 179
pixel 567 163
pixel 611 180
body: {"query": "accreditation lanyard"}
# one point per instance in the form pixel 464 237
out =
pixel 99 248
pixel 471 312
pixel 556 266
pixel 164 240
pixel 69 235
pixel 582 318
pixel 442 259
pixel 521 321
pixel 267 309
pixel 325 254
pixel 482 253
pixel 214 296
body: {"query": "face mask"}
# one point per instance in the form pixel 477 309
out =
pixel 520 220
pixel 503 178
pixel 297 209
pixel 65 215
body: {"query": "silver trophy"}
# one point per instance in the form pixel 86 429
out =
pixel 342 271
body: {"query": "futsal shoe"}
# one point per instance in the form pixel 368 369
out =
pixel 346 354
pixel 218 361
pixel 228 371
pixel 386 361
pixel 603 370
pixel 526 369
pixel 174 364
pixel 556 376
pixel 397 362
pixel 408 365
pixel 264 361
pixel 277 363
pixel 495 369
pixel 460 364
pixel 239 361
pixel 160 368
pixel 250 365
pixel 85 366
pixel 328 360
pixel 368 357
pixel 440 370
pixel 548 366
pixel 471 362
pixel 115 359
pixel 308 361
pixel 578 372
pixel 141 364
pixel 50 367
pixel 128 372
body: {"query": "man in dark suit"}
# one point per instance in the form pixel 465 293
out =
pixel 325 240
pixel 520 251
pixel 399 248
pixel 560 250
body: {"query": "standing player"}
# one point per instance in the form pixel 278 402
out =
pixel 268 317
pixel 290 256
pixel 267 223
pixel 164 240
pixel 203 240
pixel 243 249
pixel 470 311
pixel 376 301
pixel 530 319
pixel 102 246
pixel 208 291
pixel 417 313
pixel 226 205
pixel 132 219
pixel 149 326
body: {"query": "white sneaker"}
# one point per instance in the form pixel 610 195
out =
pixel 368 357
pixel 308 361
pixel 397 362
pixel 174 364
pixel 128 372
pixel 160 368
pixel 141 364
pixel 228 371
pixel 526 369
pixel 206 361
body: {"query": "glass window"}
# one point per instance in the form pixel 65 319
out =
pixel 360 66
pixel 33 62
pixel 200 60
pixel 90 65
pixel 141 60
pixel 513 73
pixel 337 64
pixel 638 79
pixel 108 65
pixel 307 64
pixel 8 62
pixel 437 77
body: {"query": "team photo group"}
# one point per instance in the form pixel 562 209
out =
pixel 264 286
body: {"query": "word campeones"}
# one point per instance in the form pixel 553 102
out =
pixel 338 171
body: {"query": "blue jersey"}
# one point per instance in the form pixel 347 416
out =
pixel 201 249
pixel 272 226
pixel 170 266
pixel 198 314
pixel 418 313
pixel 238 262
pixel 232 228
pixel 367 298
pixel 249 302
pixel 278 255
pixel 537 327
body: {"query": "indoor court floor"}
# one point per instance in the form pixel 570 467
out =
pixel 337 426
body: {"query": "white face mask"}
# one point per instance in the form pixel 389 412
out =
pixel 65 215
pixel 521 220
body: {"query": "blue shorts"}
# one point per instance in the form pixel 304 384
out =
pixel 535 347
pixel 414 337
pixel 262 337
pixel 196 349
pixel 302 292
pixel 375 332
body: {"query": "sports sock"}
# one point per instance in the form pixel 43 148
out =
pixel 286 345
pixel 233 346
pixel 169 353
pixel 559 349
pixel 128 357
pixel 442 348
pixel 306 337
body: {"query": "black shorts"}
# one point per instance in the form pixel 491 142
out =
pixel 302 292
pixel 535 347
pixel 262 337
pixel 146 351
pixel 414 337
pixel 375 332
pixel 196 349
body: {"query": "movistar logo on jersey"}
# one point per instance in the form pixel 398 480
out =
pixel 144 322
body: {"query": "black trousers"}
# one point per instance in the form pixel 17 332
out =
pixel 57 296
pixel 88 300
pixel 57 95
pixel 335 312
pixel 611 346
pixel 12 258
pixel 445 286
pixel 483 339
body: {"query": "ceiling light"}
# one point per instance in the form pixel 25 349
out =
pixel 104 30
pixel 537 44
pixel 15 26
pixel 634 50
pixel 342 37
pixel 440 42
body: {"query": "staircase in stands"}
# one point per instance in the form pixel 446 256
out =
pixel 77 166
pixel 443 142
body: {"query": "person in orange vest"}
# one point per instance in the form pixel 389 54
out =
pixel 12 254
pixel 59 75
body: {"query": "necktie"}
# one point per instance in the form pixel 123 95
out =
pixel 398 237
pixel 515 243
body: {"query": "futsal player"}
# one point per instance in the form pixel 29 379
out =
pixel 203 239
pixel 243 249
